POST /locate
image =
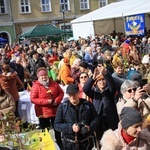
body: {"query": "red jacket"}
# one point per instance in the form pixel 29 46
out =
pixel 39 96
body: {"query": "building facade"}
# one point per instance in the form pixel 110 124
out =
pixel 18 16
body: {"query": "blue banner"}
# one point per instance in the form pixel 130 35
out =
pixel 135 25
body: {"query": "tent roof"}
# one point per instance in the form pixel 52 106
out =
pixel 143 8
pixel 116 10
pixel 89 17
pixel 42 30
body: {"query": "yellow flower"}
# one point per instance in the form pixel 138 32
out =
pixel 49 91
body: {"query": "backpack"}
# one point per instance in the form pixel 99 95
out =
pixel 65 106
pixel 87 106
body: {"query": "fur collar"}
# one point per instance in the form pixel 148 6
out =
pixel 109 141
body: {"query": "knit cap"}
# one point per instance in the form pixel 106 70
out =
pixel 130 116
pixel 146 59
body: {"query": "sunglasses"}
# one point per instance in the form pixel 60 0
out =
pixel 130 90
pixel 83 77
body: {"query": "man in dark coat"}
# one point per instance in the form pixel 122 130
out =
pixel 77 120
pixel 16 66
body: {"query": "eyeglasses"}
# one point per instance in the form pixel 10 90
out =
pixel 83 77
pixel 130 90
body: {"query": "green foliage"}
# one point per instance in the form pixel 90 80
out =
pixel 18 137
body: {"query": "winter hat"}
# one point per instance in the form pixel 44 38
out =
pixel 42 72
pixel 72 89
pixel 136 77
pixel 146 59
pixel 130 116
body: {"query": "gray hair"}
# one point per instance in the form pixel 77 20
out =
pixel 127 84
pixel 76 62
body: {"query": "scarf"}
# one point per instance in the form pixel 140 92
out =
pixel 127 138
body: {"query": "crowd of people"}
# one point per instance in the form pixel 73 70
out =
pixel 91 91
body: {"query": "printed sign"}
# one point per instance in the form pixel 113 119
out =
pixel 135 25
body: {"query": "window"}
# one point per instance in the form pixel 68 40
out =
pixel 25 6
pixel 46 5
pixel 3 7
pixel 84 4
pixel 102 3
pixel 64 5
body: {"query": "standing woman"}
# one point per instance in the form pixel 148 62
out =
pixel 7 109
pixel 11 83
pixel 82 80
pixel 129 135
pixel 134 54
pixel 119 77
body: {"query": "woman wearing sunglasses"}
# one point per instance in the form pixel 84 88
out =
pixel 131 97
pixel 82 79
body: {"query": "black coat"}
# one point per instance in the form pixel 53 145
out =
pixel 34 66
pixel 104 102
pixel 19 69
pixel 67 115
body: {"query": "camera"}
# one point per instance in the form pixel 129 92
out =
pixel 83 129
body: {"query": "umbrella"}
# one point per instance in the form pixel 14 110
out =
pixel 3 40
pixel 42 30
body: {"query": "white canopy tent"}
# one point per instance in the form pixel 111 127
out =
pixel 144 8
pixel 106 19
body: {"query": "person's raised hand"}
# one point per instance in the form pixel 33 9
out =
pixel 75 128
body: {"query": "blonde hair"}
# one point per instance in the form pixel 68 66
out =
pixel 76 62
pixel 106 53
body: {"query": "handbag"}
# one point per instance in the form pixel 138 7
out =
pixel 146 114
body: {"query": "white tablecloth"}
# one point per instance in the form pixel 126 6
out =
pixel 26 108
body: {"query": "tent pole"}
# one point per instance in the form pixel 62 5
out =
pixel 124 22
pixel 94 27
pixel 114 24
pixel 64 20
pixel 64 26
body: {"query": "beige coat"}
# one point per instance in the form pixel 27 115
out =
pixel 7 108
pixel 139 106
pixel 131 103
pixel 113 140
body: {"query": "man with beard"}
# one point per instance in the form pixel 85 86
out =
pixel 46 94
